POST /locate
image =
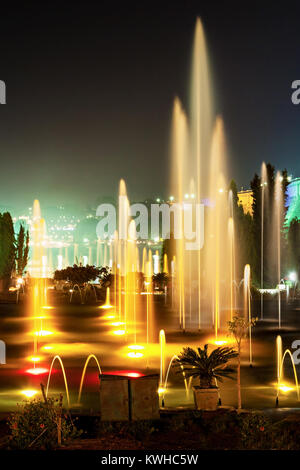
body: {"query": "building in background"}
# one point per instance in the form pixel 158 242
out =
pixel 293 201
pixel 246 201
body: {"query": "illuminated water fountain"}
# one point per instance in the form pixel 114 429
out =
pixel 203 282
pixel 193 176
pixel 39 284
pixel 247 306
pixel 281 386
pixel 263 206
pixel 278 216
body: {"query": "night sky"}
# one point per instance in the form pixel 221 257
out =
pixel 90 88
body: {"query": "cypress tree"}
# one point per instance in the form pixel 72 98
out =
pixel 7 249
pixel 22 250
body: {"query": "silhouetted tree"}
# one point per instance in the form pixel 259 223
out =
pixel 22 250
pixel 78 274
pixel 160 280
pixel 7 249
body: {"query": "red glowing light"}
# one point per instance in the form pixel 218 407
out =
pixel 37 371
pixel 125 373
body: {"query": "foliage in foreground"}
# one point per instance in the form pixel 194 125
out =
pixel 209 430
pixel 207 367
pixel 223 429
pixel 35 425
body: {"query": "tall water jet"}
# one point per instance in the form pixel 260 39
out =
pixel 232 251
pixel 131 270
pixel 279 357
pixel 263 187
pixel 162 342
pixel 66 257
pixel 144 261
pixel 38 274
pixel 75 253
pixel 98 252
pixel 190 149
pixel 179 152
pixel 165 265
pixel 231 264
pixel 149 298
pixel 247 306
pixel 200 122
pixel 216 254
pixel 278 213
pixel 123 207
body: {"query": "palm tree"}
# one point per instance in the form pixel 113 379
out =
pixel 207 367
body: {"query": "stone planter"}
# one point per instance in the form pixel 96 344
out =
pixel 206 398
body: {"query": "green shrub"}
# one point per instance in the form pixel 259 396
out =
pixel 35 425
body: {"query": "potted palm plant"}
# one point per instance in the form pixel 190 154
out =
pixel 208 368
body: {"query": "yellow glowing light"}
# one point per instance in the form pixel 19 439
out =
pixel 285 388
pixel 47 348
pixel 219 340
pixel 43 333
pixel 135 355
pixel 118 323
pixel 47 307
pixel 43 317
pixel 106 306
pixel 34 359
pixel 136 347
pixel 29 393
pixel 119 332
pixel 108 317
pixel 161 390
